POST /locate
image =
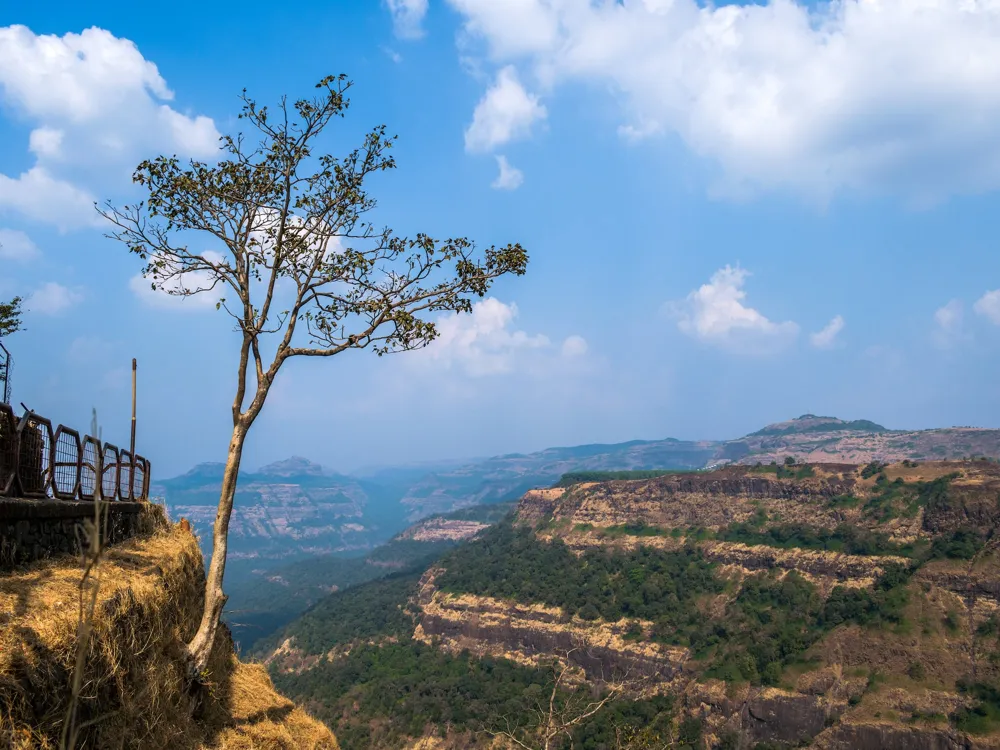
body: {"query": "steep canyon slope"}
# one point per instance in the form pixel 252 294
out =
pixel 828 605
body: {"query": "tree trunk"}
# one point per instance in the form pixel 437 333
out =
pixel 200 647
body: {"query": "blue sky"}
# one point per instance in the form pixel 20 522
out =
pixel 734 214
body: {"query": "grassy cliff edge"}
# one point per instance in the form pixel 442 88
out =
pixel 133 693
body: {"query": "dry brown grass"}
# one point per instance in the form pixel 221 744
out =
pixel 134 692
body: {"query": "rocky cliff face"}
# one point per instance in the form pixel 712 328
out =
pixel 525 632
pixel 820 439
pixel 443 530
pixel 288 509
pixel 896 686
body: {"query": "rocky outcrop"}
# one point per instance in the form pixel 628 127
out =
pixel 710 500
pixel 755 715
pixel 886 736
pixel 525 632
pixel 443 529
pixel 825 568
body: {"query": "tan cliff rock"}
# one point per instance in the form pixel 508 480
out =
pixel 443 529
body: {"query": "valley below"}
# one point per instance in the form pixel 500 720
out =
pixel 821 605
pixel 817 583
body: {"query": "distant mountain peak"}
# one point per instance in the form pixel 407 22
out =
pixel 294 466
pixel 208 469
pixel 812 423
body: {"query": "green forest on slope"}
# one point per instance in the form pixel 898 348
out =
pixel 770 622
pixel 385 686
pixel 259 607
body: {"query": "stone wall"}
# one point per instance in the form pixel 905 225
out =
pixel 36 529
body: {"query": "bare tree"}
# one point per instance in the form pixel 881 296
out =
pixel 303 274
pixel 564 709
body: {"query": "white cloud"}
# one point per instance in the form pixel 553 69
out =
pixel 948 324
pixel 989 306
pixel 510 177
pixel 15 245
pixel 505 113
pixel 39 196
pixel 890 96
pixel 46 142
pixel 640 131
pixel 52 299
pixel 826 338
pixel 715 313
pixel 574 346
pixel 407 15
pixel 482 342
pixel 97 107
pixel 392 54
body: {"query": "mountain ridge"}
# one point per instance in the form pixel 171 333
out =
pixel 293 508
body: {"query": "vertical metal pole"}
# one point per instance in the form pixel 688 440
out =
pixel 132 443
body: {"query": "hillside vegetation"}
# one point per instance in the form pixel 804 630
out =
pixel 134 692
pixel 265 600
pixel 828 605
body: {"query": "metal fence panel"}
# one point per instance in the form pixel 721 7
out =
pixel 109 477
pixel 90 467
pixel 125 475
pixel 67 455
pixel 34 464
pixel 8 449
pixel 39 463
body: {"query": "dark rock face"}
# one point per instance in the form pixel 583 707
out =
pixel 965 506
pixel 889 737
pixel 599 662
pixel 790 719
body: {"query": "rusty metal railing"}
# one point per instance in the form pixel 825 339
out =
pixel 6 362
pixel 38 461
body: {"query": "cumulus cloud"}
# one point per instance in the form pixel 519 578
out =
pixel 884 96
pixel 97 106
pixel 948 324
pixel 826 338
pixel 407 16
pixel 989 306
pixel 640 131
pixel 39 196
pixel 483 342
pixel 16 246
pixel 574 346
pixel 715 313
pixel 505 113
pixel 510 177
pixel 52 299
